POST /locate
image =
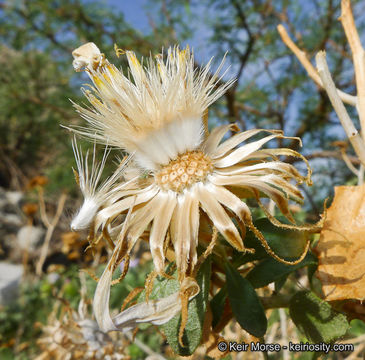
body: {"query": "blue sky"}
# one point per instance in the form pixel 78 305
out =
pixel 134 11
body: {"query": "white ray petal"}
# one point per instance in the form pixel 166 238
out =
pixel 219 217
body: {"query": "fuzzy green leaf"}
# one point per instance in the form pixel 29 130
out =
pixel 196 314
pixel 316 319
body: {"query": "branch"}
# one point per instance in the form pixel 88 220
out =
pixel 302 57
pixel 358 56
pixel 351 132
pixel 143 347
pixel 251 40
pixel 326 154
pixel 233 112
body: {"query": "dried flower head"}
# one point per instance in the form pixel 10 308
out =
pixel 75 336
pixel 156 115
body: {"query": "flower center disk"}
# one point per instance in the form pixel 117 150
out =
pixel 184 171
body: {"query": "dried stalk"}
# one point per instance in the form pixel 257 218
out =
pixel 42 207
pixel 50 229
pixel 312 72
pixel 351 132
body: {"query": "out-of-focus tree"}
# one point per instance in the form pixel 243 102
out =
pixel 272 89
pixel 37 79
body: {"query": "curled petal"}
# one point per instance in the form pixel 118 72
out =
pixel 262 168
pixel 156 312
pixel 243 152
pixel 238 138
pixel 140 196
pixel 214 138
pixel 287 152
pixel 102 292
pixel 254 184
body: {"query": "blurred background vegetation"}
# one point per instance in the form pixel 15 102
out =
pixel 272 90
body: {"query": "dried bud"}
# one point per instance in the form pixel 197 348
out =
pixel 37 181
pixel 87 56
pixel 30 209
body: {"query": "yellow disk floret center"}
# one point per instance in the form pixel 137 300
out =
pixel 184 171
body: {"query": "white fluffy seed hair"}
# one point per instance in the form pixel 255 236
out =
pixel 94 191
pixel 156 112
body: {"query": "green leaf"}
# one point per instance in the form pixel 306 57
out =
pixel 270 270
pixel 196 310
pixel 217 305
pixel 316 319
pixel 245 304
pixel 286 243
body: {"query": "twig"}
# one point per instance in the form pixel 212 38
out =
pixel 144 347
pixel 326 154
pixel 358 56
pixel 351 132
pixel 348 162
pixel 301 55
pixel 49 233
